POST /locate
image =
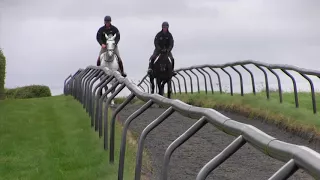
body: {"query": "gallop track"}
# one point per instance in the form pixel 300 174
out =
pixel 186 161
pixel 206 145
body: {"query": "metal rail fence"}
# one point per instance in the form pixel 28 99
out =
pixel 205 70
pixel 81 86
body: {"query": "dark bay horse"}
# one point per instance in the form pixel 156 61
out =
pixel 162 72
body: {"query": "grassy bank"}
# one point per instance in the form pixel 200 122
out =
pixel 298 120
pixel 51 138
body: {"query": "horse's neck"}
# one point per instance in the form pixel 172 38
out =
pixel 113 64
pixel 163 57
pixel 113 57
pixel 107 57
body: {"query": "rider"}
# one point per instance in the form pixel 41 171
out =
pixel 163 41
pixel 108 29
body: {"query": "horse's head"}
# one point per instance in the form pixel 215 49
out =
pixel 164 62
pixel 111 44
pixel 163 67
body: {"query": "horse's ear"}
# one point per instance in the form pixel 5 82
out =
pixel 114 36
pixel 106 36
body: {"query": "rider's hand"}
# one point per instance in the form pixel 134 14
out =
pixel 103 46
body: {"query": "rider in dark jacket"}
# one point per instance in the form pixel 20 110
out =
pixel 108 28
pixel 163 41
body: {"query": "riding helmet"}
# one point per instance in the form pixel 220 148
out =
pixel 165 24
pixel 107 18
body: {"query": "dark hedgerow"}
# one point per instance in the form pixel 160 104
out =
pixel 31 91
pixel 2 74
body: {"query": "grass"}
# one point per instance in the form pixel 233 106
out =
pixel 298 120
pixel 51 138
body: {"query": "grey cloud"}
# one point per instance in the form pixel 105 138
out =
pixel 73 9
pixel 45 41
pixel 293 9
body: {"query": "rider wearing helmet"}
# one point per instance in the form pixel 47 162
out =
pixel 163 41
pixel 108 29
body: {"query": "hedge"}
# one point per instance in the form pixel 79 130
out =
pixel 2 74
pixel 31 91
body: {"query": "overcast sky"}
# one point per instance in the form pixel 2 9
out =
pixel 44 41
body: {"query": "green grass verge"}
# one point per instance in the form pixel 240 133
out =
pixel 51 138
pixel 298 120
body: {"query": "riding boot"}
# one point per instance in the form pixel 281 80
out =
pixel 121 68
pixel 98 61
pixel 173 73
pixel 150 67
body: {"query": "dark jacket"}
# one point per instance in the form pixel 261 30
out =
pixel 164 40
pixel 103 30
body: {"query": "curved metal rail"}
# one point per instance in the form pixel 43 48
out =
pixel 80 85
pixel 263 67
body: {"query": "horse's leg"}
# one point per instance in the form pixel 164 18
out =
pixel 159 85
pixel 152 83
pixel 152 90
pixel 112 102
pixel 169 88
pixel 100 92
pixel 102 63
pixel 162 87
pixel 106 89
